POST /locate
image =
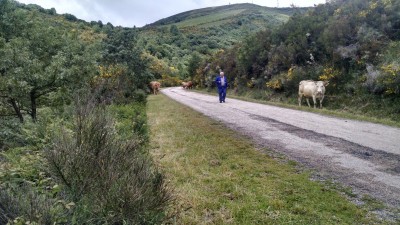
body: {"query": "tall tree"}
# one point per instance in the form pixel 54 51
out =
pixel 39 60
pixel 121 48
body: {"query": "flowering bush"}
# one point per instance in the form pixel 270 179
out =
pixel 390 78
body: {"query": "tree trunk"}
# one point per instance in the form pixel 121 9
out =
pixel 33 105
pixel 16 109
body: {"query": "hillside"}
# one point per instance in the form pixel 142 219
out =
pixel 199 33
pixel 214 16
pixel 226 24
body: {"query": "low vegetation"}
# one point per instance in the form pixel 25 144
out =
pixel 74 137
pixel 95 168
pixel 219 177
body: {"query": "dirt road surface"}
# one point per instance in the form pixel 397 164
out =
pixel 360 155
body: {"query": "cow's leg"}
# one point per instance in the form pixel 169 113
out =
pixel 308 102
pixel 299 99
pixel 314 98
pixel 320 102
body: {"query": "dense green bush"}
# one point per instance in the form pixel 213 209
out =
pixel 109 179
pixel 140 96
pixel 26 204
pixel 96 169
pixel 27 192
pixel 10 134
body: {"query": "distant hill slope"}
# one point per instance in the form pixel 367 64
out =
pixel 236 13
pixel 175 39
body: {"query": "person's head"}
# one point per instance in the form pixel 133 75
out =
pixel 221 74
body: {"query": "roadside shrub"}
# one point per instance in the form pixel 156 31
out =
pixel 11 134
pixel 292 79
pixel 110 180
pixel 25 204
pixel 131 121
pixel 140 96
pixel 170 81
pixel 389 77
pixel 275 84
pixel 27 193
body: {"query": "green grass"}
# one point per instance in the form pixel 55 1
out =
pixel 220 177
pixel 227 12
pixel 228 16
pixel 225 15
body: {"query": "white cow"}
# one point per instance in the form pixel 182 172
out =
pixel 314 89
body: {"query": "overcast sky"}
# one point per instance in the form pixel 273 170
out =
pixel 129 13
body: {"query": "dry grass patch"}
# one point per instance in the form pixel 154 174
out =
pixel 219 177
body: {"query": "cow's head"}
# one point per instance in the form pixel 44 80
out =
pixel 321 86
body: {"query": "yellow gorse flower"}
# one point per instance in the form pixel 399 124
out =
pixel 391 74
pixel 290 74
pixel 274 84
pixel 328 74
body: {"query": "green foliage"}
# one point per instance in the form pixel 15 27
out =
pixel 120 47
pixel 132 120
pixel 194 63
pixel 170 81
pixel 53 56
pixel 205 31
pixel 27 192
pixel 389 78
pixel 39 58
pixel 253 55
pixel 25 205
pixel 206 16
pixel 110 179
pixel 11 134
pixel 140 96
pixel 30 192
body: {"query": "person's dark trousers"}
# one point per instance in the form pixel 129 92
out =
pixel 222 94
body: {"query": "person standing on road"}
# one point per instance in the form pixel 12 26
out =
pixel 222 84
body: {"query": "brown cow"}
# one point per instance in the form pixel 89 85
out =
pixel 187 85
pixel 155 86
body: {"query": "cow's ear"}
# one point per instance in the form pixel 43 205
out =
pixel 326 83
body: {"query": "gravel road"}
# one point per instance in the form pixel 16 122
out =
pixel 360 155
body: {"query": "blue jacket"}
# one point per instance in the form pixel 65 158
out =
pixel 218 82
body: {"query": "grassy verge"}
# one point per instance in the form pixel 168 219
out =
pixel 219 177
